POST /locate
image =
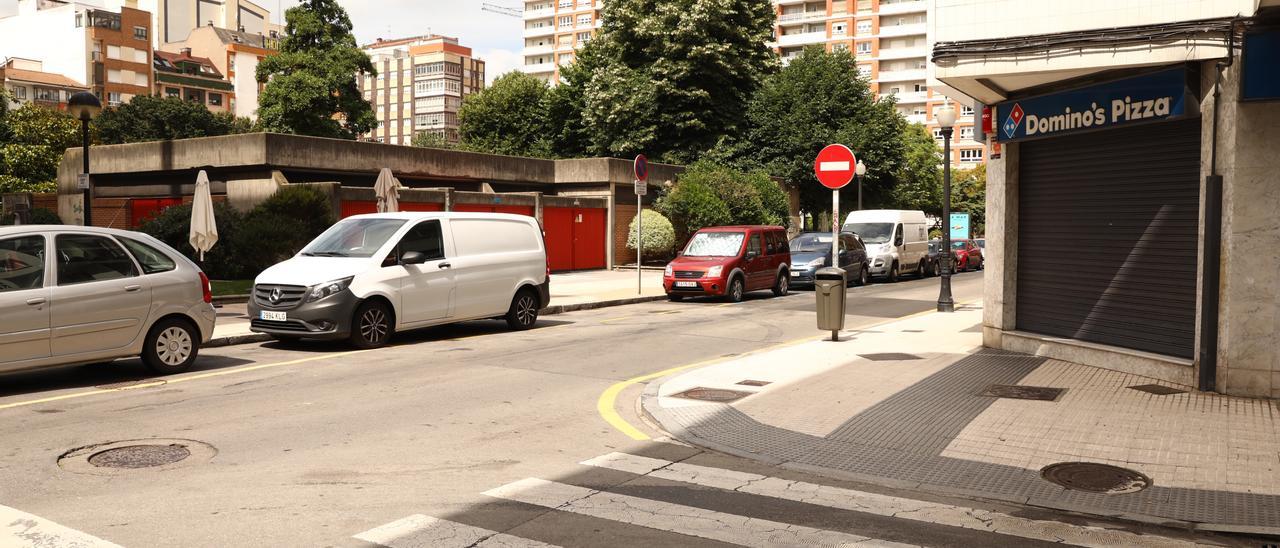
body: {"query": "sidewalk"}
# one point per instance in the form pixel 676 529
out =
pixel 901 404
pixel 569 292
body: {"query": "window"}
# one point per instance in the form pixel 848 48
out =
pixel 753 245
pixel 566 21
pixel 864 47
pixel 864 70
pixel 966 111
pixel 584 20
pixel 895 90
pixel 425 238
pixel 46 94
pixel 83 258
pixel 215 99
pixel 113 52
pixel 838 29
pixel 971 155
pixel 920 88
pixel 113 98
pixel 966 133
pixel 152 260
pixel 18 92
pixel 937 134
pixel 138 32
pixel 21 263
pixel 584 36
pixel 864 27
pixel 231 63
pixel 79 20
pixel 140 56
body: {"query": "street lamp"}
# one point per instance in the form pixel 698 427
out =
pixel 859 170
pixel 84 106
pixel 946 117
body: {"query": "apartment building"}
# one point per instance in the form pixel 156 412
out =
pixel 235 55
pixel 553 31
pixel 174 20
pixel 194 79
pixel 106 50
pixel 27 82
pixel 419 87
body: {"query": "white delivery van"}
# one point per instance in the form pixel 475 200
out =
pixel 368 276
pixel 897 240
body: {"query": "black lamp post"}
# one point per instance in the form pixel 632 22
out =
pixel 859 170
pixel 83 106
pixel 946 117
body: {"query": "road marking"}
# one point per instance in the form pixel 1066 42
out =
pixel 18 528
pixel 175 380
pixel 420 530
pixel 675 518
pixel 877 504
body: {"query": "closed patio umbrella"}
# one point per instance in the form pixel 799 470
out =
pixel 204 228
pixel 387 189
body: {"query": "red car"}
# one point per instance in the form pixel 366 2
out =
pixel 729 261
pixel 966 255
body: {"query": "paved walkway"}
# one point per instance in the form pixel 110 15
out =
pixel 902 405
pixel 570 291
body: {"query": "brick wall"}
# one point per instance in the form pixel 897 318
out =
pixel 622 216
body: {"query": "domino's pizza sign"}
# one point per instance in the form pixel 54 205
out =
pixel 1148 98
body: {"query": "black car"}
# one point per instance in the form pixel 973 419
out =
pixel 932 265
pixel 812 250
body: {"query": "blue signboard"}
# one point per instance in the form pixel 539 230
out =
pixel 959 226
pixel 1261 57
pixel 1156 96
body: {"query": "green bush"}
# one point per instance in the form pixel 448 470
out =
pixel 38 216
pixel 711 194
pixel 173 227
pixel 659 236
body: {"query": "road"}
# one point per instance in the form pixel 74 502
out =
pixel 316 445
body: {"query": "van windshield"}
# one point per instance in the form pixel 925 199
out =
pixel 872 233
pixel 714 244
pixel 353 238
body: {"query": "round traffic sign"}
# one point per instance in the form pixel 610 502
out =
pixel 641 168
pixel 835 166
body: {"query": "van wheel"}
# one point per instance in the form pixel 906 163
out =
pixel 171 346
pixel 736 289
pixel 783 284
pixel 675 298
pixel 920 270
pixel 864 276
pixel 524 310
pixel 893 272
pixel 372 326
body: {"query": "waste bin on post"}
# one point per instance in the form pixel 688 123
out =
pixel 828 286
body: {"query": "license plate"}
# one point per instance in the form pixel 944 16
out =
pixel 686 284
pixel 796 273
pixel 274 316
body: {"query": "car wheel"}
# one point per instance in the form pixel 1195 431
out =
pixel 372 326
pixel 920 269
pixel 982 264
pixel 736 289
pixel 783 284
pixel 524 310
pixel 893 272
pixel 675 298
pixel 864 276
pixel 171 346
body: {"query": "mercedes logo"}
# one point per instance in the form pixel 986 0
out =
pixel 276 295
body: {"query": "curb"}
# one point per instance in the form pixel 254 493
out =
pixel 230 299
pixel 234 340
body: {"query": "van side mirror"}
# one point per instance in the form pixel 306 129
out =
pixel 413 257
pixel 897 241
pixel 750 255
pixel 680 253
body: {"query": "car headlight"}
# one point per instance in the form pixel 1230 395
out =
pixel 714 272
pixel 816 262
pixel 669 272
pixel 328 289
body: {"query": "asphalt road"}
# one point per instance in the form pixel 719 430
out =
pixel 313 444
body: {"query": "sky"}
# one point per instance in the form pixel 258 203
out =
pixel 493 37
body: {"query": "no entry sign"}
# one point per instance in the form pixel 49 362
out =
pixel 834 166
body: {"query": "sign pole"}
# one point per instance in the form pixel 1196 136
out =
pixel 835 228
pixel 639 242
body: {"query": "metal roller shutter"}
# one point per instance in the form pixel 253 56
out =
pixel 1108 236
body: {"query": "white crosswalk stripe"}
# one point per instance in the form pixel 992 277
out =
pixel 674 518
pixel 877 504
pixel 20 529
pixel 425 531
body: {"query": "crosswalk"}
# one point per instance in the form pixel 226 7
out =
pixel 709 523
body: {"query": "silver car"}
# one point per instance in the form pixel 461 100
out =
pixel 71 295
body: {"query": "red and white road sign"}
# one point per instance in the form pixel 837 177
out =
pixel 834 166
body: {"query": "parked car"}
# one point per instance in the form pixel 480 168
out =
pixel 968 256
pixel 933 265
pixel 729 261
pixel 896 240
pixel 369 276
pixel 982 247
pixel 812 250
pixel 71 295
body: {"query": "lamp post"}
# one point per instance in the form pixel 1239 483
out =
pixel 84 106
pixel 946 117
pixel 859 170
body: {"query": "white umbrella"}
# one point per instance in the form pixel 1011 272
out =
pixel 387 189
pixel 204 228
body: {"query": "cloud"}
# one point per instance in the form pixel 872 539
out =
pixel 498 62
pixel 462 19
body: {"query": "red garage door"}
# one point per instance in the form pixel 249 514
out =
pixel 360 207
pixel 575 237
pixel 142 210
pixel 494 208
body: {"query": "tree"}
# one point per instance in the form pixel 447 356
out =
pixel 154 118
pixel 431 139
pixel 671 77
pixel 507 118
pixel 969 195
pixel 37 138
pixel 918 184
pixel 5 134
pixel 710 194
pixel 566 129
pixel 311 83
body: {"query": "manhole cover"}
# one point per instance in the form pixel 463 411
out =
pixel 1158 389
pixel 139 456
pixel 753 383
pixel 711 394
pixel 890 357
pixel 1095 477
pixel 1041 393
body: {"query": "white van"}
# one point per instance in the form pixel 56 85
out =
pixel 369 276
pixel 897 240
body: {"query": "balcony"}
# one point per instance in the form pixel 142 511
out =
pixel 902 7
pixel 545 49
pixel 902 53
pixel 910 97
pixel 901 75
pixel 532 32
pixel 889 31
pixel 802 16
pixel 915 118
pixel 539 68
pixel 539 13
pixel 802 38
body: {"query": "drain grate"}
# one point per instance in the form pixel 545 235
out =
pixel 753 383
pixel 711 394
pixel 890 357
pixel 1158 389
pixel 1013 391
pixel 1095 477
pixel 139 456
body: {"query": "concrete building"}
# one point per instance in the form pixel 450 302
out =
pixel 419 87
pixel 235 55
pixel 174 20
pixel 27 82
pixel 1131 214
pixel 106 49
pixel 553 31
pixel 193 79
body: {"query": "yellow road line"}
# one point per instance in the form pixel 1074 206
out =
pixel 607 402
pixel 165 382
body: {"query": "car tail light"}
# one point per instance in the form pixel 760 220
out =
pixel 206 288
